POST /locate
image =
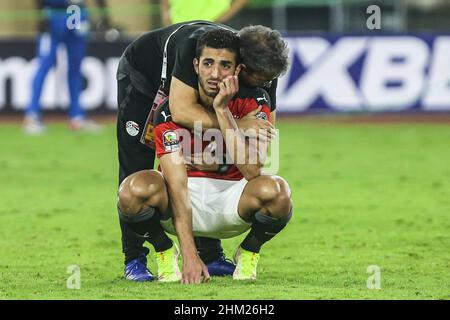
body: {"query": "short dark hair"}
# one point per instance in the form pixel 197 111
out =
pixel 218 39
pixel 263 50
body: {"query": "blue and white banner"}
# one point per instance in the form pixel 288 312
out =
pixel 18 65
pixel 366 74
pixel 327 74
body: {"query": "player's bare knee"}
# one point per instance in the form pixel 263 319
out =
pixel 265 188
pixel 126 201
pixel 140 188
pixel 269 188
pixel 276 196
pixel 284 199
pixel 145 184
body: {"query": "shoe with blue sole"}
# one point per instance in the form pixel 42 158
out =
pixel 221 267
pixel 136 270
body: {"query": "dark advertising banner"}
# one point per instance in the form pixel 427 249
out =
pixel 18 65
pixel 386 73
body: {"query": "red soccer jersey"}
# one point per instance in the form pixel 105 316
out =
pixel 171 137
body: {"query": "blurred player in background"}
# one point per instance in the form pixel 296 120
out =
pixel 53 31
pixel 220 202
pixel 175 11
pixel 139 82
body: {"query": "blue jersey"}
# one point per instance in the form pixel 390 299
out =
pixel 57 9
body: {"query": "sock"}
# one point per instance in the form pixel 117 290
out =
pixel 263 229
pixel 146 225
pixel 132 245
pixel 209 249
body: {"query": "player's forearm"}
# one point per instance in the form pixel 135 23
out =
pixel 175 174
pixel 182 216
pixel 273 117
pixel 182 220
pixel 186 115
pixel 245 155
pixel 185 108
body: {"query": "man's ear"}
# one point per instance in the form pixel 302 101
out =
pixel 239 67
pixel 195 62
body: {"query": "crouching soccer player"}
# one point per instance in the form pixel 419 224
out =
pixel 218 201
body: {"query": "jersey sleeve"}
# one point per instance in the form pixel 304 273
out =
pixel 249 99
pixel 183 69
pixel 167 138
pixel 262 98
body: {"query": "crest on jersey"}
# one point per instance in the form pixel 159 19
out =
pixel 132 128
pixel 261 115
pixel 171 140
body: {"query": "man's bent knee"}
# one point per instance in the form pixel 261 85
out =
pixel 275 195
pixel 140 190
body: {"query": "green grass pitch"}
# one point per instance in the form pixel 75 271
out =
pixel 364 194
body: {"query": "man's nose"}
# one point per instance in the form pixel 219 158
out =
pixel 215 72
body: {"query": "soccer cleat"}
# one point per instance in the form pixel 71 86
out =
pixel 84 125
pixel 167 261
pixel 221 267
pixel 33 125
pixel 246 263
pixel 136 270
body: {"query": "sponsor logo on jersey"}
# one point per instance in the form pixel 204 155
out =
pixel 132 128
pixel 165 116
pixel 262 99
pixel 170 140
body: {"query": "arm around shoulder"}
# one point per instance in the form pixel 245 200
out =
pixel 185 108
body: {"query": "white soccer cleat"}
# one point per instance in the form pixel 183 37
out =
pixel 33 125
pixel 84 125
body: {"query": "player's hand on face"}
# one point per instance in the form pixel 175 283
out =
pixel 228 87
pixel 254 127
pixel 194 271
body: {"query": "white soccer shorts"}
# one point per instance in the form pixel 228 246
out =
pixel 214 208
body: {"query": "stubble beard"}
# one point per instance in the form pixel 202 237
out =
pixel 207 91
pixel 206 97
